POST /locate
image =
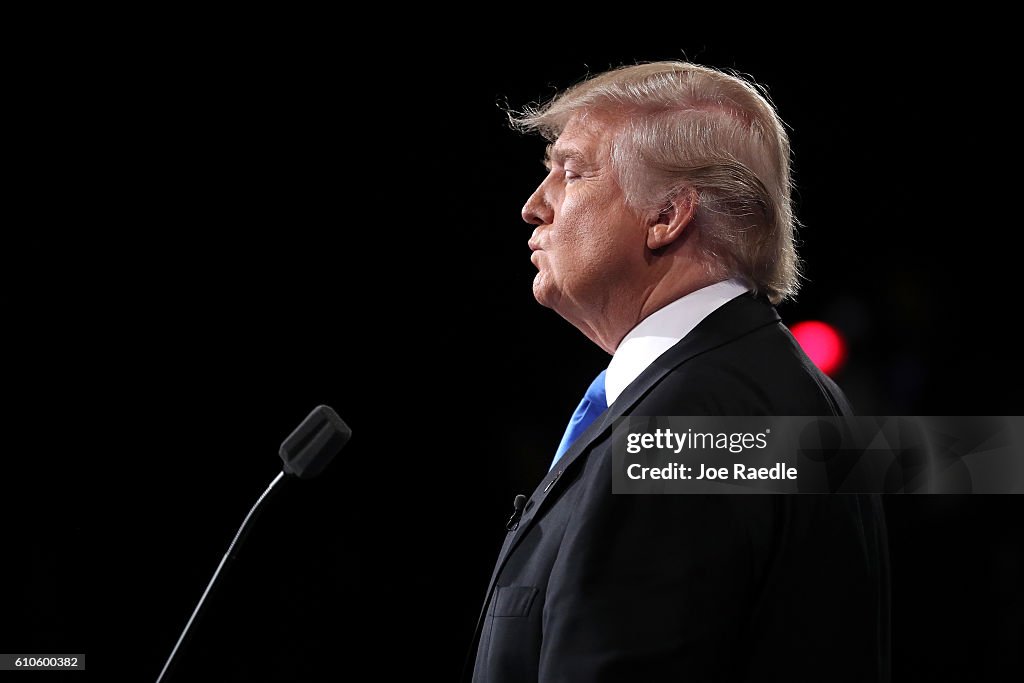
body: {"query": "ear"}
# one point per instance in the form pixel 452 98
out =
pixel 674 219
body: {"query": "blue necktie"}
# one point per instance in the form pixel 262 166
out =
pixel 593 404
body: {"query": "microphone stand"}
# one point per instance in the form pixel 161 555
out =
pixel 229 555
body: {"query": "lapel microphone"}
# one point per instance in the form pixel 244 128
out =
pixel 305 454
pixel 517 512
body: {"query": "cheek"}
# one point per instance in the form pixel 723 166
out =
pixel 595 237
pixel 584 233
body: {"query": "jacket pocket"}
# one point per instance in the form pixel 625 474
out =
pixel 513 601
pixel 509 650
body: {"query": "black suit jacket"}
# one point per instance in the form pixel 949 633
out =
pixel 593 587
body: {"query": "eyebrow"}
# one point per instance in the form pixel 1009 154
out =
pixel 563 154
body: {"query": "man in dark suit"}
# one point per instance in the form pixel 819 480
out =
pixel 664 233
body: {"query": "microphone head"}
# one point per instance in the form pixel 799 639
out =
pixel 314 443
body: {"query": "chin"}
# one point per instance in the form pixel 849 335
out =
pixel 542 291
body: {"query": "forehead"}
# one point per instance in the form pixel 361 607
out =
pixel 586 137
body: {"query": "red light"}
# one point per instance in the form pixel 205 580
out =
pixel 822 343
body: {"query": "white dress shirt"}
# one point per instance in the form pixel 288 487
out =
pixel 662 330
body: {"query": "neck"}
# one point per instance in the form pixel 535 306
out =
pixel 616 317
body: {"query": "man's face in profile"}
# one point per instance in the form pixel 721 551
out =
pixel 587 241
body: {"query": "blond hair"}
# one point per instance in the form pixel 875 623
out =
pixel 690 126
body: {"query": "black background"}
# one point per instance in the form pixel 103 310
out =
pixel 225 228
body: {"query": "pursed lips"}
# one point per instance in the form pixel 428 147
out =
pixel 534 250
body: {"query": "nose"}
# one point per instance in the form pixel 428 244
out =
pixel 537 210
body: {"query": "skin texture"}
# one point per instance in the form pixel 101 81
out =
pixel 601 265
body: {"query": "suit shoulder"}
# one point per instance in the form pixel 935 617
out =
pixel 764 372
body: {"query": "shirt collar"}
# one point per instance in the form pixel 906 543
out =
pixel 661 330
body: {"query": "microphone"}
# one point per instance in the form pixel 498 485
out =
pixel 517 505
pixel 305 454
pixel 314 443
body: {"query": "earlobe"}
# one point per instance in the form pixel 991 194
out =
pixel 671 223
pixel 657 236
